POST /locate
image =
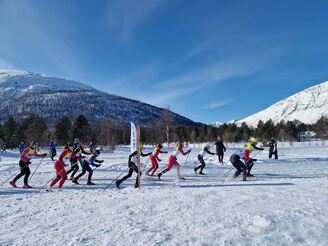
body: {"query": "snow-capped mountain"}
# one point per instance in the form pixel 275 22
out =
pixel 306 106
pixel 24 93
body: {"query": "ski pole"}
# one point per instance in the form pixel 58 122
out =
pixel 225 175
pixel 144 168
pixel 116 178
pixel 36 169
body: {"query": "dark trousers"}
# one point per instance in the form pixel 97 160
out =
pixel 220 155
pixel 239 165
pixel 275 153
pixel 85 168
pixel 202 163
pixel 132 167
pixel 53 153
pixel 25 170
pixel 74 167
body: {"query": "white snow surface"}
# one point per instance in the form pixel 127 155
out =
pixel 307 106
pixel 284 204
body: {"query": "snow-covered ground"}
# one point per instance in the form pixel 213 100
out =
pixel 284 204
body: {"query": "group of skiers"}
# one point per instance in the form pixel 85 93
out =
pixel 75 151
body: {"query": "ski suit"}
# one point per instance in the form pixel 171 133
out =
pixel 133 159
pixel 154 161
pixel 24 163
pixel 60 169
pixel 200 158
pixel 89 165
pixel 76 156
pixel 273 149
pixel 173 160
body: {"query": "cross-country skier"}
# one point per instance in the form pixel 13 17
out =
pixel 273 150
pixel 173 160
pixel 53 151
pixel 24 163
pixel 76 157
pixel 92 147
pixel 89 165
pixel 133 159
pixel 60 167
pixel 21 147
pixel 220 149
pixel 252 142
pixel 200 157
pixel 242 167
pixel 154 159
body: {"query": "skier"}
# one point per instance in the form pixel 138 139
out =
pixel 154 159
pixel 241 167
pixel 173 160
pixel 220 149
pixel 24 163
pixel 21 147
pixel 76 157
pixel 92 147
pixel 200 157
pixel 252 142
pixel 273 150
pixel 89 165
pixel 60 167
pixel 133 159
pixel 53 151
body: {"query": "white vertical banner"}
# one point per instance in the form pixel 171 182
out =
pixel 133 144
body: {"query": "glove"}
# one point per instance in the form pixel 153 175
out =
pixel 101 161
pixel 189 151
pixel 254 159
pixel 98 165
pixel 44 154
pixel 224 150
pixel 159 160
pixel 165 152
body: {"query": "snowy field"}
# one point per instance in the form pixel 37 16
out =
pixel 286 203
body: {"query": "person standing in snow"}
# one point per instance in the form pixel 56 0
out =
pixel 273 150
pixel 53 151
pixel 220 149
pixel 89 165
pixel 92 147
pixel 76 157
pixel 200 157
pixel 21 147
pixel 60 167
pixel 24 163
pixel 133 159
pixel 154 159
pixel 173 160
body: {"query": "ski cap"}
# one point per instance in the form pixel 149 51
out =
pixel 253 140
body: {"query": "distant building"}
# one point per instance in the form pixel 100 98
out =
pixel 307 136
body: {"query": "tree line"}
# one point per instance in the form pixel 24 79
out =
pixel 107 132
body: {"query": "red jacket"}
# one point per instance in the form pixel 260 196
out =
pixel 29 151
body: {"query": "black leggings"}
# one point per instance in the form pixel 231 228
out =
pixel 238 164
pixel 220 156
pixel 74 167
pixel 25 170
pixel 132 167
pixel 85 168
pixel 202 163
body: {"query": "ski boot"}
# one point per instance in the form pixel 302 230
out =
pixel 75 181
pixel 49 189
pixel 13 184
pixel 27 186
pixel 117 184
pixel 250 175
pixel 195 170
pixel 90 183
pixel 159 176
pixel 201 173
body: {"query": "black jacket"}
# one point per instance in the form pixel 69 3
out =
pixel 220 146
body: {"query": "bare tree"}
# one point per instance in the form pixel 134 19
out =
pixel 108 134
pixel 166 120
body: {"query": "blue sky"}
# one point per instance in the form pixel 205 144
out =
pixel 209 60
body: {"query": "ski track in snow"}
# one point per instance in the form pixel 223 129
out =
pixel 284 204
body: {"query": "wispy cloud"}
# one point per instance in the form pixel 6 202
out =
pixel 218 104
pixel 125 16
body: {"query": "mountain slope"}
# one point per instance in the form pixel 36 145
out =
pixel 24 93
pixel 306 106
